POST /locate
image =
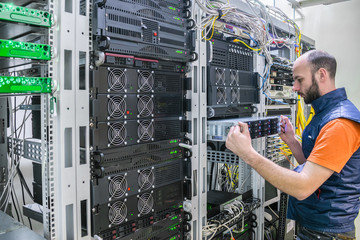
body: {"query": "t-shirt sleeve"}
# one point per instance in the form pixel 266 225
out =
pixel 335 144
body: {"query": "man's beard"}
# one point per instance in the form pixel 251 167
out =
pixel 313 92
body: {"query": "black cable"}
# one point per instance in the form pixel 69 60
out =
pixel 22 180
pixel 23 198
pixel 211 171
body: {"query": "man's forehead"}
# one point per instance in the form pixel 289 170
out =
pixel 301 61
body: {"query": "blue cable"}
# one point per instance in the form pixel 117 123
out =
pixel 275 100
pixel 252 39
pixel 264 79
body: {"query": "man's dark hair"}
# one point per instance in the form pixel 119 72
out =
pixel 321 59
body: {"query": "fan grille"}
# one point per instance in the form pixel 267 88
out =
pixel 117 79
pixel 117 186
pixel 117 213
pixel 235 95
pixel 116 133
pixel 220 76
pixel 145 130
pixel 145 81
pixel 221 95
pixel 145 106
pixel 234 78
pixel 116 107
pixel 146 179
pixel 145 203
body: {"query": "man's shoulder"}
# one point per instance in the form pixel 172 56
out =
pixel 343 110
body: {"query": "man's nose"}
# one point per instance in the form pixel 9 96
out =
pixel 296 87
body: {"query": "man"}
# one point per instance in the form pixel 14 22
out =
pixel 325 189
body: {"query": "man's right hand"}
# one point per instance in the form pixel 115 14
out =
pixel 287 133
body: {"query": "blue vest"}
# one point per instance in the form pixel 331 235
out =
pixel 334 207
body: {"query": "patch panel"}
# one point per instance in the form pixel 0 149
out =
pixel 13 13
pixel 281 92
pixel 9 48
pixel 9 84
pixel 231 29
pixel 274 152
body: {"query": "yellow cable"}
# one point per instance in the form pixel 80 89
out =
pixel 312 113
pixel 254 49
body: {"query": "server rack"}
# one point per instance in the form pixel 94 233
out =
pixel 65 128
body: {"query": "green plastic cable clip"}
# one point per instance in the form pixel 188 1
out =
pixel 9 48
pixel 9 84
pixel 13 13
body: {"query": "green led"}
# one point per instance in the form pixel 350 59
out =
pixel 179 51
pixel 177 18
pixel 172 8
pixel 13 13
pixel 9 84
pixel 246 108
pixel 9 48
pixel 132 214
pixel 180 206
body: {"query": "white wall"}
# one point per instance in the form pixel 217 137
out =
pixel 336 29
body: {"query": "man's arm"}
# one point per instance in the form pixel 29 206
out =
pixel 287 134
pixel 299 185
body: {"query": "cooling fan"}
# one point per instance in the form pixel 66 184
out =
pixel 145 106
pixel 116 107
pixel 234 78
pixel 117 212
pixel 219 76
pixel 117 186
pixel 116 133
pixel 146 179
pixel 117 79
pixel 221 95
pixel 145 203
pixel 235 95
pixel 145 130
pixel 145 81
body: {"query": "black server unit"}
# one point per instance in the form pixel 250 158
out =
pixel 149 28
pixel 232 84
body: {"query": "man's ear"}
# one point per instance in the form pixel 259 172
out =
pixel 323 74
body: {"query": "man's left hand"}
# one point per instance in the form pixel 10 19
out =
pixel 239 141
